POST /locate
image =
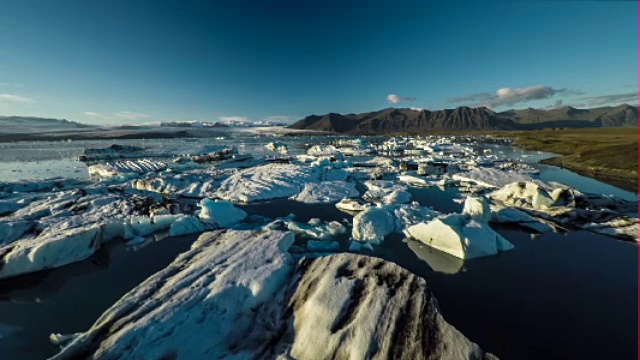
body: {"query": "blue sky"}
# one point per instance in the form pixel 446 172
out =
pixel 118 62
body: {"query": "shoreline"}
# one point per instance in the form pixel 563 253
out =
pixel 608 155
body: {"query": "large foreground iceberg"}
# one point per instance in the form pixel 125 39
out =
pixel 240 295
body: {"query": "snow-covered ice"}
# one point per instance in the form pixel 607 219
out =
pixel 239 294
pixel 219 212
pixel 460 235
pixel 326 192
pixel 266 182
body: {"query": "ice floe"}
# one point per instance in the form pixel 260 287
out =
pixel 221 213
pixel 270 181
pixel 126 167
pixel 326 192
pixel 459 236
pixel 316 228
pixel 240 294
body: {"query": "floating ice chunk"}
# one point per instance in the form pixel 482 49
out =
pixel 415 181
pixel 477 208
pixel 523 194
pixel 187 225
pixel 372 225
pixel 397 197
pixel 46 252
pixel 322 150
pixel 352 205
pixel 491 177
pixel 317 229
pixel 277 146
pixel 349 304
pixel 335 175
pixel 228 284
pixel 323 246
pixel 455 234
pixel 114 151
pixel 326 192
pixel 619 227
pixel 145 225
pixel 222 213
pixel 514 216
pixel 142 166
pixel 409 214
pixel 238 294
pixel 388 192
pixel 271 181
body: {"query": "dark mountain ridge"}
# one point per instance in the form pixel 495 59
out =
pixel 392 120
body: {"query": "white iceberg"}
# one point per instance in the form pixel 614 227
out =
pixel 142 166
pixel 221 213
pixel 186 225
pixel 372 225
pixel 385 191
pixel 352 205
pixel 491 177
pixel 459 236
pixel 271 181
pixel 326 192
pixel 316 228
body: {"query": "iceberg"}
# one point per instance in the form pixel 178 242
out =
pixel 326 192
pixel 126 167
pixel 491 177
pixel 352 205
pixel 240 294
pixel 221 213
pixel 316 228
pixel 372 225
pixel 270 181
pixel 460 236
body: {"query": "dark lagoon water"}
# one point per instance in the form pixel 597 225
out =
pixel 555 296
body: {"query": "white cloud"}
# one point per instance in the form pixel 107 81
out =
pixel 234 118
pixel 395 99
pixel 418 108
pixel 131 115
pixel 15 99
pixel 91 113
pixel 509 96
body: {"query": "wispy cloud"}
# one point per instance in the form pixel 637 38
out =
pixel 95 114
pixel 131 115
pixel 510 96
pixel 9 98
pixel 630 97
pixel 234 118
pixel 10 84
pixel 418 108
pixel 395 99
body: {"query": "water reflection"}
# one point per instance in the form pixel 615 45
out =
pixel 437 260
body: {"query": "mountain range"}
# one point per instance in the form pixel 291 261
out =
pixel 464 118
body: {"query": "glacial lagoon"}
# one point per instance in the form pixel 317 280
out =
pixel 563 294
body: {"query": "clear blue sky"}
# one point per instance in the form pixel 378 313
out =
pixel 140 61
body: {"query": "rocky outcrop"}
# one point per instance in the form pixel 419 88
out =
pixel 240 294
